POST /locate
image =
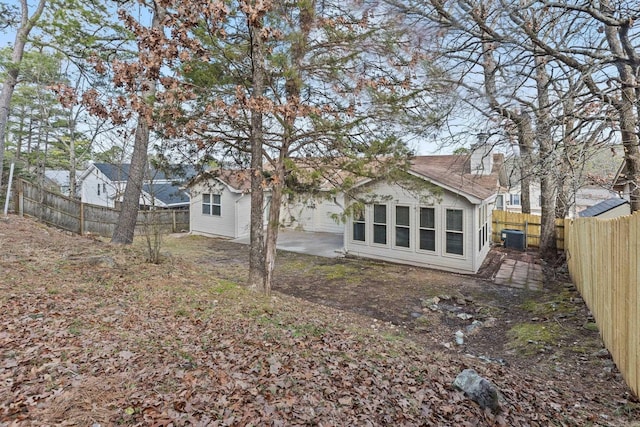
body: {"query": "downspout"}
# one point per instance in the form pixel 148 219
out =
pixel 237 225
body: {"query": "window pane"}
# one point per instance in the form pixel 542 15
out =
pixel 206 198
pixel 428 240
pixel 454 220
pixel 427 218
pixel 402 237
pixel 206 209
pixel 380 234
pixel 380 214
pixel 215 210
pixel 402 215
pixel 454 243
pixel 216 199
pixel 358 231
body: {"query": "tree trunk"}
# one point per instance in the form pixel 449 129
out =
pixel 293 87
pixel 627 62
pixel 522 120
pixel 525 144
pixel 548 247
pixel 273 226
pixel 256 139
pixel 13 70
pixel 126 225
pixel 125 228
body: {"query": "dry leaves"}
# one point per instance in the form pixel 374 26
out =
pixel 138 344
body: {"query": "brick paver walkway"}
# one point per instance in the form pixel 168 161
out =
pixel 519 274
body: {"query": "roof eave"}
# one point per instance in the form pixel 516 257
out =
pixel 475 200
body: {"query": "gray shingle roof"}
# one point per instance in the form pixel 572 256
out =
pixel 121 172
pixel 169 194
pixel 602 207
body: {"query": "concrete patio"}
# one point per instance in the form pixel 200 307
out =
pixel 328 245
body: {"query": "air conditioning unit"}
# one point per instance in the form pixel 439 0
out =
pixel 513 239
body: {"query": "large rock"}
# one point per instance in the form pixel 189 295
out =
pixel 478 389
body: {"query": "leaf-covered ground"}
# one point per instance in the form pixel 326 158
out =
pixel 90 334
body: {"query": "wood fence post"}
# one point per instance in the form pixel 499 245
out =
pixel 81 219
pixel 173 216
pixel 526 234
pixel 20 199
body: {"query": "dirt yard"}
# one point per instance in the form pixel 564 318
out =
pixel 91 334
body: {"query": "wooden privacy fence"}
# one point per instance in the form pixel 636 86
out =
pixel 528 223
pixel 603 259
pixel 81 218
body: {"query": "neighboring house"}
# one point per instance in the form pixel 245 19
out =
pixel 447 227
pixel 103 184
pixel 58 180
pixel 221 203
pixel 591 195
pixel 509 198
pixel 611 208
pixel 600 166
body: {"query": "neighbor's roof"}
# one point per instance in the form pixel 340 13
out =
pixel 169 194
pixel 454 172
pixel 602 207
pixel 121 172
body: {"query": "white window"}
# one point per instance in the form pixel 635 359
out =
pixel 483 223
pixel 403 230
pixel 454 232
pixel 359 226
pixel 428 229
pixel 380 224
pixel 211 204
pixel 500 202
pixel 514 199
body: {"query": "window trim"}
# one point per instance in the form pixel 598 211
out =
pixel 212 204
pixel 447 231
pixel 384 224
pixel 355 220
pixel 483 227
pixel 421 228
pixel 407 227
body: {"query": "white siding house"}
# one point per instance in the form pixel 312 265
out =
pixel 448 227
pixel 220 204
pixel 100 188
pixel 315 214
pixel 103 184
pixel 445 224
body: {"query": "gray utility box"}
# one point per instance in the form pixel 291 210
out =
pixel 513 239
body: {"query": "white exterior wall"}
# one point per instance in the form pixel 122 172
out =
pixel 469 262
pixel 235 211
pixel 89 189
pixel 313 215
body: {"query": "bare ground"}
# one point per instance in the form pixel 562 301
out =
pixel 90 333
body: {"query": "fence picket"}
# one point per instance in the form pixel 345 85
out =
pixel 602 255
pixel 71 215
